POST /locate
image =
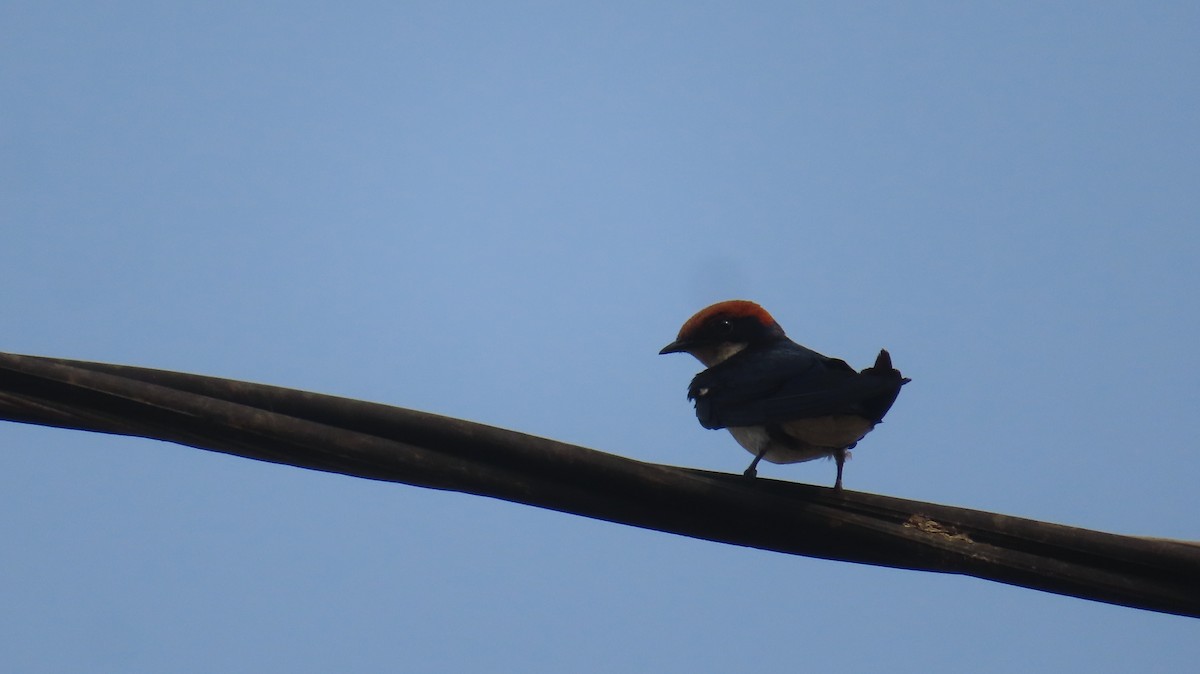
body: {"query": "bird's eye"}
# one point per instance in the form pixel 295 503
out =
pixel 724 327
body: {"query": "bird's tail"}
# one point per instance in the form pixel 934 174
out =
pixel 888 380
pixel 883 368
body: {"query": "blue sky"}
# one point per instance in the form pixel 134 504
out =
pixel 501 211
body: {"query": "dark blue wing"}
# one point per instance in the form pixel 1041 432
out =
pixel 787 381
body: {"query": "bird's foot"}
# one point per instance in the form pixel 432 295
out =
pixel 750 472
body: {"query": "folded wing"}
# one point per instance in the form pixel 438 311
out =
pixel 787 382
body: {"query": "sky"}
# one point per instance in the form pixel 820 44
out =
pixel 501 212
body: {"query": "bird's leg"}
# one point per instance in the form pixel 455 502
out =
pixel 840 457
pixel 752 471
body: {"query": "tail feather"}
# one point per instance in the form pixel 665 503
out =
pixel 883 368
pixel 883 361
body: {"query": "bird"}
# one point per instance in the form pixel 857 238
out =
pixel 781 401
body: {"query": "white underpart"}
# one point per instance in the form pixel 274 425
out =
pixel 753 438
pixel 712 355
pixel 812 438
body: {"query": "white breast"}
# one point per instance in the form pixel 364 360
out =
pixel 810 438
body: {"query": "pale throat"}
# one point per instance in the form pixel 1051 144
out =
pixel 717 353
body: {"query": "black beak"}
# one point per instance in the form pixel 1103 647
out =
pixel 677 346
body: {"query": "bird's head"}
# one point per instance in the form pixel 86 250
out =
pixel 715 333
